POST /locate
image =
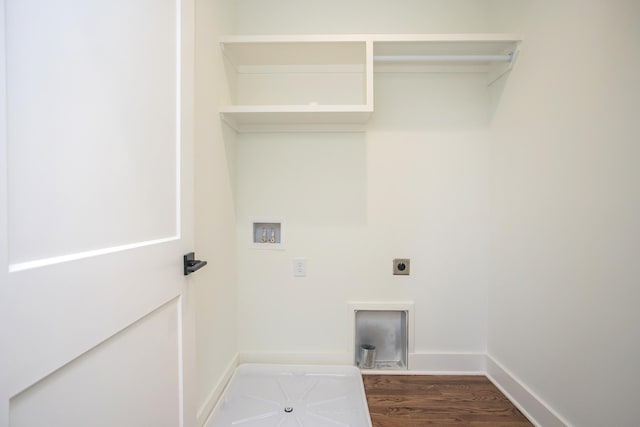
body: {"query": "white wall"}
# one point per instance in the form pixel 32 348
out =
pixel 530 200
pixel 361 16
pixel 214 285
pixel 415 185
pixel 564 289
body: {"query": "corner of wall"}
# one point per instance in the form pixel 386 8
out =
pixel 531 405
pixel 215 288
pixel 205 410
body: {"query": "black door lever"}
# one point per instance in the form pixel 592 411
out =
pixel 192 264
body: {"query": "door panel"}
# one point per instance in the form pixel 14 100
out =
pixel 92 129
pixel 86 391
pixel 63 310
pixel 96 318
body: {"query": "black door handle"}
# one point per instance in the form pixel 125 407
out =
pixel 192 264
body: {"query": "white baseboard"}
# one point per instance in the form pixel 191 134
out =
pixel 211 400
pixel 297 358
pixel 447 363
pixel 419 363
pixel 534 408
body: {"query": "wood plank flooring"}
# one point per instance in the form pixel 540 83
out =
pixel 439 400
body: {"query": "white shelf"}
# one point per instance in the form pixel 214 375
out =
pixel 274 118
pixel 289 83
pixel 325 82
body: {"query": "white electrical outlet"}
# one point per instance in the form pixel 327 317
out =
pixel 299 267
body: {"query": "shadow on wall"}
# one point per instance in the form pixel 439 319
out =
pixel 229 138
pixel 430 102
pixel 309 178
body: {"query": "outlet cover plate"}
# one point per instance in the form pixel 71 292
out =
pixel 299 267
pixel 401 266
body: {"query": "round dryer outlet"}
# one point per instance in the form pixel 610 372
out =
pixel 401 266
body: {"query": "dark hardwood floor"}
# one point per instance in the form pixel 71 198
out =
pixel 439 400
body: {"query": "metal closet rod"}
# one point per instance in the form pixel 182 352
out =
pixel 444 58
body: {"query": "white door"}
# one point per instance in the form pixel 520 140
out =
pixel 96 159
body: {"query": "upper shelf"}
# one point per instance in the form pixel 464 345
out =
pixel 325 82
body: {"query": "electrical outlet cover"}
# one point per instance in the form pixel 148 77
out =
pixel 401 266
pixel 299 267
